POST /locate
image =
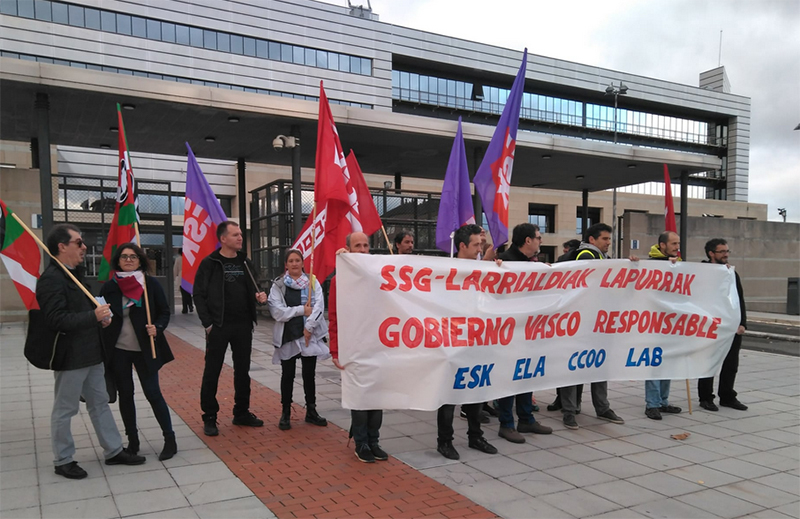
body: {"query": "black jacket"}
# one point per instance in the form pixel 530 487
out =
pixel 513 254
pixel 209 289
pixel 66 309
pixel 159 315
pixel 740 291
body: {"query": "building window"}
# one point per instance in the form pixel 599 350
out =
pixel 594 217
pixel 544 216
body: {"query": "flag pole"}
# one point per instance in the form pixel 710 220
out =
pixel 689 395
pixel 389 245
pixel 44 247
pixel 146 298
pixel 313 241
pixel 452 242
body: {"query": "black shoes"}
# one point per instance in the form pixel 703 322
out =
pixel 709 405
pixel 377 452
pixel 133 444
pixel 125 458
pixel 248 420
pixel 734 404
pixel 653 413
pixel 611 416
pixel 535 428
pixel 556 405
pixel 447 450
pixel 670 409
pixel 210 426
pixel 313 417
pixel 364 453
pixel 570 422
pixel 170 448
pixel 71 471
pixel 285 422
pixel 482 445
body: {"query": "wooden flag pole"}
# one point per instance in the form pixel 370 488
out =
pixel 388 244
pixel 146 298
pixel 689 395
pixel 313 243
pixel 44 247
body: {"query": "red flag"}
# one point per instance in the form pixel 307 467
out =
pixel 363 214
pixel 20 255
pixel 669 210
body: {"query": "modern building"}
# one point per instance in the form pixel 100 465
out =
pixel 229 76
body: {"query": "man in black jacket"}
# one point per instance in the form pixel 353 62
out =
pixel 525 242
pixel 80 371
pixel 717 252
pixel 225 295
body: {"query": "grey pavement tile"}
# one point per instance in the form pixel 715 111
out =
pixel 617 447
pixel 528 507
pixel 18 462
pixel 757 424
pixel 243 508
pixel 671 509
pixel 719 503
pixel 388 432
pixel 768 514
pixel 214 471
pixel 456 474
pixel 756 493
pixel 625 513
pixel 490 492
pixel 537 483
pixel 656 460
pixel 580 453
pixel 543 459
pixel 580 502
pixel 213 491
pixel 18 479
pixel 738 468
pixel 192 457
pixel 584 434
pixel 33 512
pixel 549 441
pixel 413 428
pixel 665 484
pixel 782 481
pixel 623 493
pixel 23 497
pixel 756 441
pixel 729 449
pixel 650 441
pixel 176 513
pixel 423 459
pixel 792 509
pixel 150 501
pixel 73 490
pixel 713 430
pixel 139 481
pixel 776 459
pixel 579 475
pixel 404 444
pixel 704 475
pixel 781 435
pixel 620 467
pixel 498 466
pixel 97 508
pixel 692 453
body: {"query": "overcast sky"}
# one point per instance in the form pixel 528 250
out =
pixel 673 40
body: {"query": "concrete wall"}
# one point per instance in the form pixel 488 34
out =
pixel 764 253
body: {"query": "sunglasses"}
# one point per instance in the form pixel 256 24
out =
pixel 129 257
pixel 79 242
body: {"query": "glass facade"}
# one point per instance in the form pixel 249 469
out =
pixel 442 92
pixel 165 77
pixel 152 29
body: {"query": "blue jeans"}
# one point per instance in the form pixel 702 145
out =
pixel 656 393
pixel 524 409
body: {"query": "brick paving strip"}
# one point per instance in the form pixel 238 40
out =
pixel 308 471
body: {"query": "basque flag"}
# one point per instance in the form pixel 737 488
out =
pixel 493 178
pixel 455 207
pixel 201 216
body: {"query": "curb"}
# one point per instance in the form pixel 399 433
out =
pixel 773 336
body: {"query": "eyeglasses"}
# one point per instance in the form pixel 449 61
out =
pixel 79 242
pixel 722 252
pixel 128 257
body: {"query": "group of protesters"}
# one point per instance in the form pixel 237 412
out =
pixel 102 343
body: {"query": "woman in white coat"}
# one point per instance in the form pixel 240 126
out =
pixel 298 333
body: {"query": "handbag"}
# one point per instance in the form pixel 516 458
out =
pixel 41 343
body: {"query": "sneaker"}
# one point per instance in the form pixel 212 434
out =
pixel 482 445
pixel 734 404
pixel 569 421
pixel 653 413
pixel 249 420
pixel 447 450
pixel 670 409
pixel 511 435
pixel 210 427
pixel 71 471
pixel 364 453
pixel 535 428
pixel 709 405
pixel 611 416
pixel 379 453
pixel 125 458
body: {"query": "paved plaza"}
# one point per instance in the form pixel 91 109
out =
pixel 732 464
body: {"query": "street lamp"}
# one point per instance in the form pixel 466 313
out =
pixel 782 212
pixel 616 91
pixel 293 142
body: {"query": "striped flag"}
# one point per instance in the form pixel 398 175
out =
pixel 21 256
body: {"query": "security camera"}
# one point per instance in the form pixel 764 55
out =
pixel 282 141
pixel 277 142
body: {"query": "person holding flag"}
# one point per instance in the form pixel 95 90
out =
pixel 127 342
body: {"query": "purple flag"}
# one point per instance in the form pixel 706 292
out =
pixel 493 178
pixel 455 207
pixel 201 215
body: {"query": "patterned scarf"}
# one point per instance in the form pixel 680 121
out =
pixel 132 286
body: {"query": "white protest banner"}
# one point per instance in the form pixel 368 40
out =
pixel 417 332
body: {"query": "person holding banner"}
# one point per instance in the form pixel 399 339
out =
pixel 467 241
pixel 297 306
pixel 525 242
pixel 225 295
pixel 595 246
pixel 656 392
pixel 127 342
pixel 78 321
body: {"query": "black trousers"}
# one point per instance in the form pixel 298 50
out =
pixel 240 337
pixel 122 368
pixel 365 426
pixel 444 421
pixel 727 377
pixel 288 368
pixel 186 300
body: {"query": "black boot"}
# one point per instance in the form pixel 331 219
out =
pixel 285 424
pixel 133 443
pixel 313 418
pixel 170 447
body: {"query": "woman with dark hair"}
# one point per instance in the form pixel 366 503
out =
pixel 297 308
pixel 127 341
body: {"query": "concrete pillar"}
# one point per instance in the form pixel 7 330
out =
pixel 585 212
pixel 42 105
pixel 297 186
pixel 684 214
pixel 241 183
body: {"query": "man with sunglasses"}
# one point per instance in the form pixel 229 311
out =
pixel 79 370
pixel 717 252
